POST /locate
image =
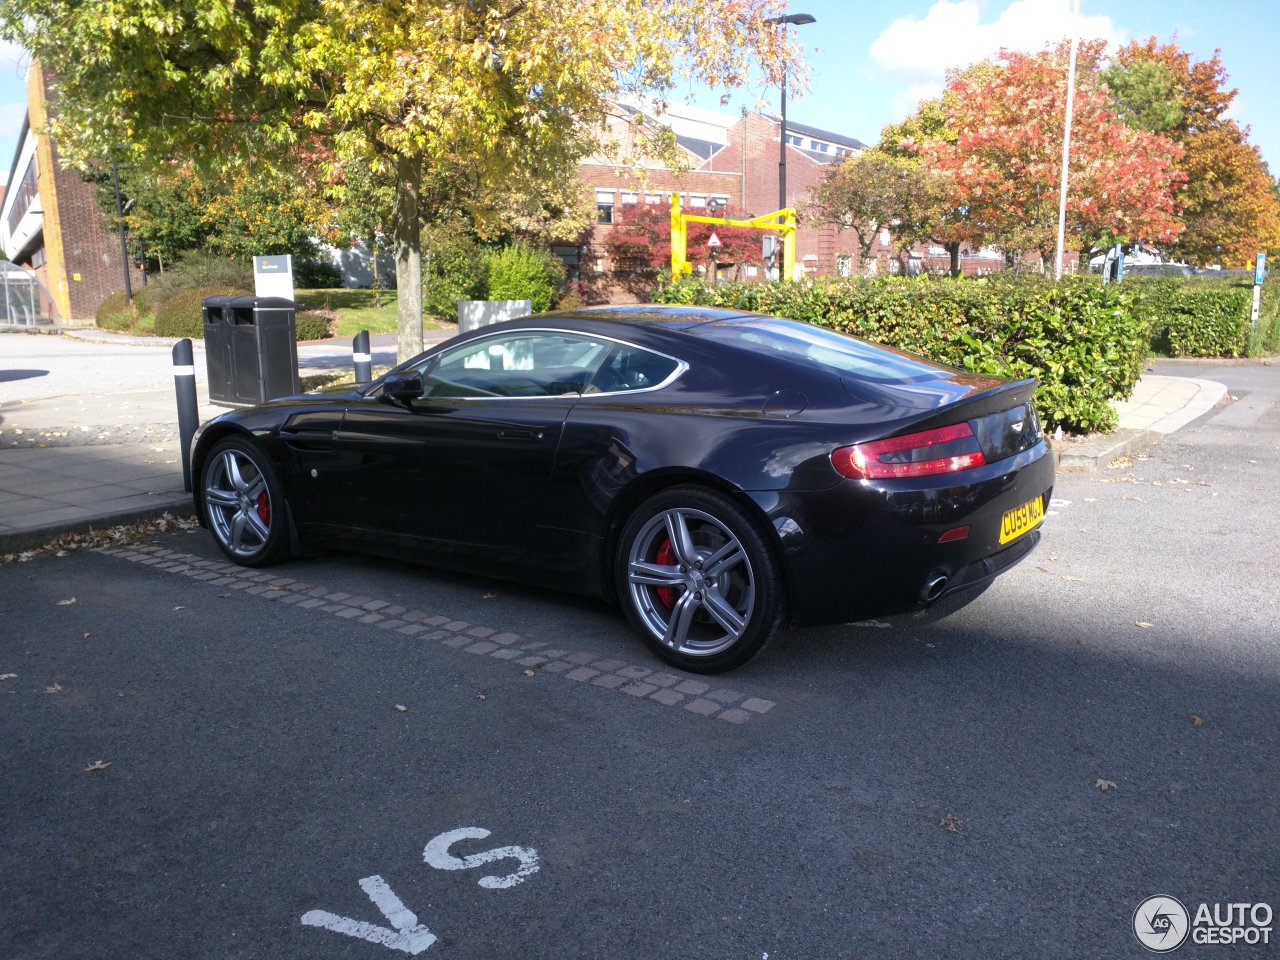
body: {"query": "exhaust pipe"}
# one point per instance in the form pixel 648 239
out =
pixel 933 588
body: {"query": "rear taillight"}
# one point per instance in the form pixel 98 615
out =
pixel 944 450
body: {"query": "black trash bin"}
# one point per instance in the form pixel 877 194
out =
pixel 251 349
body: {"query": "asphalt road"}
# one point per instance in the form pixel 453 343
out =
pixel 1097 728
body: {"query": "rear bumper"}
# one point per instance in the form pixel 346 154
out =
pixel 871 548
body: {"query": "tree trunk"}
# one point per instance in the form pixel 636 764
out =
pixel 953 249
pixel 408 242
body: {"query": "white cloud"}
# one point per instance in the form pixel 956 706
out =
pixel 953 34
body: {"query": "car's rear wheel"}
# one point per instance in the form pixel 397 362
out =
pixel 244 504
pixel 699 581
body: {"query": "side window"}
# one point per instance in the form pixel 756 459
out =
pixel 534 364
pixel 630 368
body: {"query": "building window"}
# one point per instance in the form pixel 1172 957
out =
pixel 698 200
pixel 604 206
pixel 816 145
pixel 794 140
pixel 844 264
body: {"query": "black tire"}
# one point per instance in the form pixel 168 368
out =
pixel 244 504
pixel 699 580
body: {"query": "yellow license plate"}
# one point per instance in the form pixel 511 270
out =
pixel 1019 520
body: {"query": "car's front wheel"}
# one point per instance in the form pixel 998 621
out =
pixel 699 581
pixel 243 503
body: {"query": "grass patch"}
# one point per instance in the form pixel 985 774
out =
pixel 356 310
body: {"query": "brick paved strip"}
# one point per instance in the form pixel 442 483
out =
pixel 666 689
pixel 702 707
pixel 610 681
pixel 668 698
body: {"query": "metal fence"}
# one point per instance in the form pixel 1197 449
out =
pixel 24 301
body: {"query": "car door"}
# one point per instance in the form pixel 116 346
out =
pixel 464 467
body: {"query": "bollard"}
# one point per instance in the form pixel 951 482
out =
pixel 361 358
pixel 184 384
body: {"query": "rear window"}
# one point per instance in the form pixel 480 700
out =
pixel 826 348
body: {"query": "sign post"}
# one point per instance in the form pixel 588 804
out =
pixel 714 243
pixel 1259 275
pixel 273 276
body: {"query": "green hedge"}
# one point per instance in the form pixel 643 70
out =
pixel 115 314
pixel 1266 336
pixel 1084 341
pixel 181 315
pixel 1195 316
pixel 312 325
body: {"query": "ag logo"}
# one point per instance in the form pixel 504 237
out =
pixel 1161 924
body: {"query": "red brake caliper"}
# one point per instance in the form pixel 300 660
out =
pixel 264 508
pixel 667 557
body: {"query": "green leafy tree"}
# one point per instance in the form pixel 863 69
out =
pixel 863 193
pixel 1145 95
pixel 418 89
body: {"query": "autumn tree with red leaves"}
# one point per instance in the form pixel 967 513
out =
pixel 1003 167
pixel 1228 202
pixel 641 239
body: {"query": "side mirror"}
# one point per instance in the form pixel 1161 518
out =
pixel 403 388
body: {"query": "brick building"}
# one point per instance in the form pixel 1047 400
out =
pixel 51 225
pixel 731 161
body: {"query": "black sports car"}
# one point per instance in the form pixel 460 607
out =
pixel 717 474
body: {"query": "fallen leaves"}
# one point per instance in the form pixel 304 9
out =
pixel 1143 624
pixel 66 603
pixel 1197 720
pixel 8 676
pixel 1104 785
pixel 401 708
pixel 97 765
pixel 56 688
pixel 951 823
pixel 118 536
pixel 482 696
pixel 528 673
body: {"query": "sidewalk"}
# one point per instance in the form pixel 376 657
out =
pixel 1159 406
pixel 91 460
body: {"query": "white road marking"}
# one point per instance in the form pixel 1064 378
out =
pixel 436 853
pixel 405 934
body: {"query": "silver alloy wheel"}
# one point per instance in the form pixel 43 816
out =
pixel 238 503
pixel 691 581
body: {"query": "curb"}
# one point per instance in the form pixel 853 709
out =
pixel 1099 451
pixel 36 537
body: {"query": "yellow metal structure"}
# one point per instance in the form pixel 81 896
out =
pixel 783 221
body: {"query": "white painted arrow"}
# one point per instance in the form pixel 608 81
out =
pixel 408 935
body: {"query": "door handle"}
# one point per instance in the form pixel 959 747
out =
pixel 519 435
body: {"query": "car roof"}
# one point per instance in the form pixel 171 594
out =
pixel 668 316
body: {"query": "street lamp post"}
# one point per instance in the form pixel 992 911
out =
pixel 796 20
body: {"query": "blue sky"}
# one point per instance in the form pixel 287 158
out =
pixel 871 63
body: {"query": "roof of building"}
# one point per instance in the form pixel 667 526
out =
pixel 818 134
pixel 702 149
